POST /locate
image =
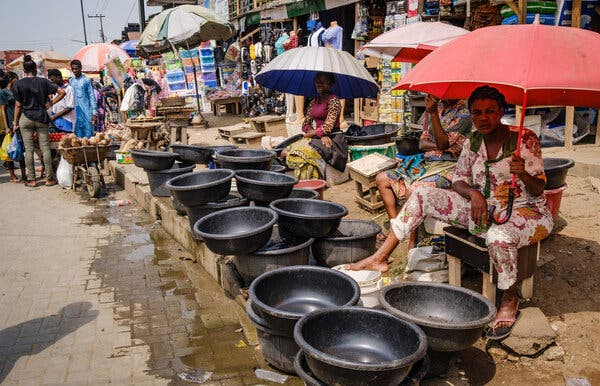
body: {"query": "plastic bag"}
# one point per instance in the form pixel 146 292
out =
pixel 64 173
pixel 424 264
pixel 16 148
pixel 4 148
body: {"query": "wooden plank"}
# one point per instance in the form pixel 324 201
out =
pixel 488 288
pixel 371 164
pixel 576 14
pixel 569 122
pixel 454 270
pixel 512 6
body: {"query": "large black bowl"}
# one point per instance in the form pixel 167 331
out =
pixel 157 179
pixel 375 134
pixel 407 145
pixel 304 193
pixel 359 346
pixel 278 253
pixel 199 188
pixel 205 152
pixel 284 295
pixel 236 231
pixel 241 159
pixel 153 159
pixel 452 317
pixel 556 170
pixel 264 186
pixel 191 153
pixel 195 213
pixel 304 217
pixel 352 241
pixel 294 138
pixel 417 373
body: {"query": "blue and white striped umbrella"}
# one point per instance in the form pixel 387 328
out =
pixel 294 72
pixel 129 46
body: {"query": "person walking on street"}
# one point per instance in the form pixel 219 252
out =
pixel 33 99
pixel 7 112
pixel 86 109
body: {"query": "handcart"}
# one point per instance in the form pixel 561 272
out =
pixel 87 162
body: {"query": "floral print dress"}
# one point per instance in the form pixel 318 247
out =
pixel 531 221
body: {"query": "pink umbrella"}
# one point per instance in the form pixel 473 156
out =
pixel 93 57
pixel 412 42
pixel 531 65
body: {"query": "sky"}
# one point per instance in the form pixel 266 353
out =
pixel 57 25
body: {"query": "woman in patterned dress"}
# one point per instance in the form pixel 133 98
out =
pixel 482 178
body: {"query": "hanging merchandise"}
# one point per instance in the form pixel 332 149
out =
pixel 233 52
pixel 361 28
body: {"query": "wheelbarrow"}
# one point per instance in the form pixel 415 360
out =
pixel 86 162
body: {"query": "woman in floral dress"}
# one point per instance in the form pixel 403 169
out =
pixel 482 178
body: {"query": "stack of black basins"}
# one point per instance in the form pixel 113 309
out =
pixel 160 167
pixel 193 154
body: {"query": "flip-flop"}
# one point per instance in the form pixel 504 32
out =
pixel 502 332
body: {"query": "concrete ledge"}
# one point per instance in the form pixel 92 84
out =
pixel 135 183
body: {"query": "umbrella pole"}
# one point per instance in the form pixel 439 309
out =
pixel 203 121
pixel 513 184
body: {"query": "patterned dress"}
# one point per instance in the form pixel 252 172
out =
pixel 429 169
pixel 530 222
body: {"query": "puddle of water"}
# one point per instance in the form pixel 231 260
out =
pixel 95 220
pixel 140 253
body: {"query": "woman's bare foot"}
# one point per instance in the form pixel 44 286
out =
pixel 31 184
pixel 371 263
pixel 507 312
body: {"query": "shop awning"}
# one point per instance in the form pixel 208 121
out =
pixel 293 8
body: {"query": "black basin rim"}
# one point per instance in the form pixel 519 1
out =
pixel 260 324
pixel 286 213
pixel 297 315
pixel 283 251
pixel 292 180
pixel 383 366
pixel 255 231
pixel 153 153
pixel 228 177
pixel 375 231
pixel 445 326
pixel 187 169
pixel 267 155
pixel 568 163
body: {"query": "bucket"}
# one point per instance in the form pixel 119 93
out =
pixel 553 198
pixel 123 157
pixel 370 283
pixel 314 184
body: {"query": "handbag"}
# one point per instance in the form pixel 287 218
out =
pixel 16 149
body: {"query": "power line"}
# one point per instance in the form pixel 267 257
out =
pixel 100 16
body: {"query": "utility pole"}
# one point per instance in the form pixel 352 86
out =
pixel 101 26
pixel 142 15
pixel 83 20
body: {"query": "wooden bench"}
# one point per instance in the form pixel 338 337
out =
pixel 234 102
pixel 273 125
pixel 248 138
pixel 230 131
pixel 462 247
pixel 364 172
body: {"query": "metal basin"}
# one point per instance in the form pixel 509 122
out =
pixel 452 317
pixel 303 217
pixel 556 170
pixel 284 295
pixel 352 241
pixel 195 213
pixel 264 186
pixel 417 373
pixel 304 193
pixel 199 188
pixel 242 159
pixel 153 159
pixel 374 134
pixel 236 231
pixel 355 346
pixel 157 179
pixel 278 253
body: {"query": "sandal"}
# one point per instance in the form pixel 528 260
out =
pixel 499 333
pixel 31 184
pixel 51 182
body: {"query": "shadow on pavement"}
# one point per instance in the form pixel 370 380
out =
pixel 41 333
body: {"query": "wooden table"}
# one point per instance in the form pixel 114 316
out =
pixel 142 130
pixel 217 103
pixel 177 118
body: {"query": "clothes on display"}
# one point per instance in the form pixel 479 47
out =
pixel 279 43
pixel 333 36
pixel 316 37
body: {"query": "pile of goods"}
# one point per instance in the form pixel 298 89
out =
pixel 132 144
pixel 100 139
pixel 55 137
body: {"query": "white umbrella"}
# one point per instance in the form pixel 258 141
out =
pixel 49 59
pixel 294 72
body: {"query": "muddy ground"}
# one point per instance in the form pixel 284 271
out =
pixel 566 289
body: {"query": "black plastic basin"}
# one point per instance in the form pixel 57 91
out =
pixel 278 253
pixel 352 241
pixel 264 186
pixel 417 373
pixel 304 193
pixel 195 213
pixel 278 168
pixel 359 346
pixel 241 159
pixel 452 317
pixel 556 170
pixel 284 295
pixel 303 217
pixel 277 347
pixel 199 188
pixel 153 159
pixel 112 148
pixel 374 134
pixel 294 138
pixel 236 231
pixel 408 144
pixel 191 153
pixel 157 179
pixel 204 153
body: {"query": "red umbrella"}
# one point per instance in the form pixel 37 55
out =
pixel 531 65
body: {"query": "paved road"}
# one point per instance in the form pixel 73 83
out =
pixel 97 295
